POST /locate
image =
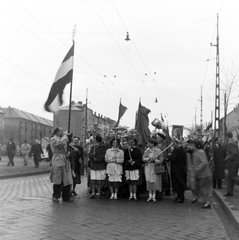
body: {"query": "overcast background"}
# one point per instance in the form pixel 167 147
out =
pixel 169 56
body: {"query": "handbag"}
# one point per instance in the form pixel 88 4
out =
pixel 159 169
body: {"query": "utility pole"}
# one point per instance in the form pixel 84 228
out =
pixel 201 111
pixel 86 113
pixel 217 89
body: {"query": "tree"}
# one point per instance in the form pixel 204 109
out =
pixel 229 81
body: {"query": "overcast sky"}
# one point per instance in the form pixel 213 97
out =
pixel 166 57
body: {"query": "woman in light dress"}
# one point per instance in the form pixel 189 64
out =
pixel 151 157
pixel 114 158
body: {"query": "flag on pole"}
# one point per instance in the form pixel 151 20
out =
pixel 142 123
pixel 63 77
pixel 122 110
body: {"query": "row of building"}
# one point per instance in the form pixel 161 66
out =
pixel 21 125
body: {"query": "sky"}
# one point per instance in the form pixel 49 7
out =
pixel 166 63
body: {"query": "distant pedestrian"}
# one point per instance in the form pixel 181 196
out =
pixel 61 173
pixel 36 150
pixel 232 163
pixel 151 157
pixel 97 166
pixel 11 151
pixel 203 177
pixel 25 150
pixel 114 170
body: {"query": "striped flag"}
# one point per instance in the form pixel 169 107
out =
pixel 63 77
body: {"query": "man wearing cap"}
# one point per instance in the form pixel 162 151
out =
pixel 232 163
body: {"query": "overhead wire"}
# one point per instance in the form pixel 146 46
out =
pixel 119 46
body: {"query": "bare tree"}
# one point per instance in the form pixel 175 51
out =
pixel 230 84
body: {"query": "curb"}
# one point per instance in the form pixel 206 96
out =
pixel 24 174
pixel 230 209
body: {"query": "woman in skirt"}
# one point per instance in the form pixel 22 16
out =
pixel 151 157
pixel 97 166
pixel 133 164
pixel 114 158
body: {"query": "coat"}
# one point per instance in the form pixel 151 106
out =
pixel 136 155
pixel 219 154
pixel 11 148
pixel 200 164
pixel 232 158
pixel 61 167
pixel 97 157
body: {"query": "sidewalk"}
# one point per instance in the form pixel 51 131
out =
pixel 19 170
pixel 230 204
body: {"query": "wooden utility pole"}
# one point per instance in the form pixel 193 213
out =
pixel 217 89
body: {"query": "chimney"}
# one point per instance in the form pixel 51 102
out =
pixel 80 102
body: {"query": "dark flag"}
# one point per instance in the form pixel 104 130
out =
pixel 63 77
pixel 122 110
pixel 142 124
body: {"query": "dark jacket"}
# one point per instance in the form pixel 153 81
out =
pixel 136 155
pixel 11 148
pixel 219 154
pixel 36 150
pixel 97 157
pixel 178 161
pixel 232 158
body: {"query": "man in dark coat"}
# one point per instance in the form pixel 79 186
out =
pixel 36 151
pixel 219 154
pixel 77 156
pixel 178 171
pixel 11 150
pixel 232 163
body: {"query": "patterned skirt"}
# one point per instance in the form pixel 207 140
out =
pixel 97 177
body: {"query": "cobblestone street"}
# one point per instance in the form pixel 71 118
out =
pixel 27 212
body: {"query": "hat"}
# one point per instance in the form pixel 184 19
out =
pixel 152 141
pixel 161 134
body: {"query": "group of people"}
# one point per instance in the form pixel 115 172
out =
pixel 122 169
pixel 26 151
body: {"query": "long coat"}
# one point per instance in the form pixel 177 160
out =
pixel 61 167
pixel 232 158
pixel 97 157
pixel 219 154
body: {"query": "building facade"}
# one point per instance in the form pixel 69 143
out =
pixel 21 126
pixel 80 126
pixel 1 125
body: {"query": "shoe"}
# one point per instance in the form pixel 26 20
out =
pixel 149 199
pixel 175 199
pixel 112 197
pixel 55 199
pixel 68 200
pixel 154 200
pixel 92 196
pixel 194 200
pixel 130 198
pixel 135 198
pixel 115 197
pixel 228 195
pixel 98 196
pixel 74 193
pixel 208 206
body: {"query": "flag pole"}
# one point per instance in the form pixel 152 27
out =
pixel 69 116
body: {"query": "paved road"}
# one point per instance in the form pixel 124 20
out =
pixel 27 212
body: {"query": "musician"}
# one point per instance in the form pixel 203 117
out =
pixel 61 174
pixel 97 166
pixel 151 157
pixel 133 164
pixel 114 170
